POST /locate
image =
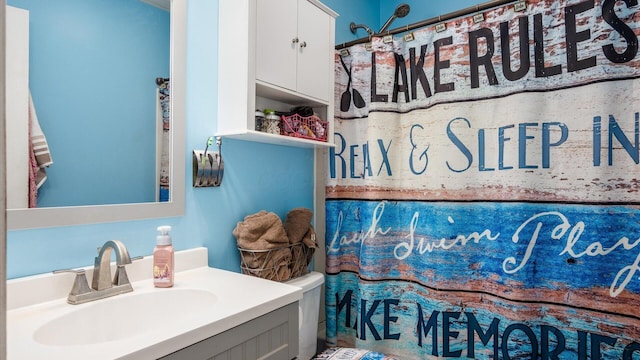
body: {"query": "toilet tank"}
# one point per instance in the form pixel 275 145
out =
pixel 309 307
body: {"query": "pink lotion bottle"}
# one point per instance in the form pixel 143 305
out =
pixel 163 259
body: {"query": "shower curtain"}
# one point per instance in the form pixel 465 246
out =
pixel 164 114
pixel 483 197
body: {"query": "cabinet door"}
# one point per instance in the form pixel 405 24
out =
pixel 273 336
pixel 314 29
pixel 277 42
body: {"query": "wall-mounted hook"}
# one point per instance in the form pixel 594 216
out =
pixel 208 167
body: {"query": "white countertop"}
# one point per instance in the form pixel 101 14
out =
pixel 34 301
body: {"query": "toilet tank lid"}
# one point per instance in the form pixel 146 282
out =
pixel 308 281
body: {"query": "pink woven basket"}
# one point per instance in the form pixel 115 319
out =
pixel 306 127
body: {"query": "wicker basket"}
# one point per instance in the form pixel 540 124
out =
pixel 306 127
pixel 279 264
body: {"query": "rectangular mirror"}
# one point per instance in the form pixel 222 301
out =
pixel 115 116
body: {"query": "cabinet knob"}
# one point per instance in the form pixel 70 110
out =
pixel 294 40
pixel 303 44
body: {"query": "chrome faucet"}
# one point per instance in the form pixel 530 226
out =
pixel 102 285
pixel 102 266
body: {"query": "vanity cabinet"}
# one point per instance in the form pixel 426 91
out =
pixel 273 336
pixel 274 54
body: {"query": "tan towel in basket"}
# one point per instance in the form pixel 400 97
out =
pixel 260 231
pixel 299 260
pixel 309 241
pixel 264 231
pixel 272 264
pixel 257 259
pixel 309 238
pixel 302 253
pixel 277 267
pixel 297 223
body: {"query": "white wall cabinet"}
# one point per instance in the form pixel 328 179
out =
pixel 292 47
pixel 274 54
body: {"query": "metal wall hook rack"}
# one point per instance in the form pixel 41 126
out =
pixel 208 166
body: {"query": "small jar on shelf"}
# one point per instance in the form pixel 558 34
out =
pixel 271 123
pixel 259 120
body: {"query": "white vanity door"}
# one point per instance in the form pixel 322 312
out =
pixel 273 336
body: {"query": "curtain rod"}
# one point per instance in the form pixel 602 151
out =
pixel 433 20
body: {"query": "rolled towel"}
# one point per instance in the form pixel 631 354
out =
pixel 260 231
pixel 297 223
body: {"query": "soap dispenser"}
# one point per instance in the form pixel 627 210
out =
pixel 163 258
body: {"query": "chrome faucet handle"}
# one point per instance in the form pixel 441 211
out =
pixel 80 284
pixel 121 278
pixel 75 271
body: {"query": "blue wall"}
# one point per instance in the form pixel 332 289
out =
pixel 88 55
pixel 257 176
pixel 357 11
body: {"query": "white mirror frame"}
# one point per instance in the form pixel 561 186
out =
pixel 77 215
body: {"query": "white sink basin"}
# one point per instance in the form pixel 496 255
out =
pixel 124 316
pixel 147 323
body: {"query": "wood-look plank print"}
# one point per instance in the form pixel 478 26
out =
pixel 484 201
